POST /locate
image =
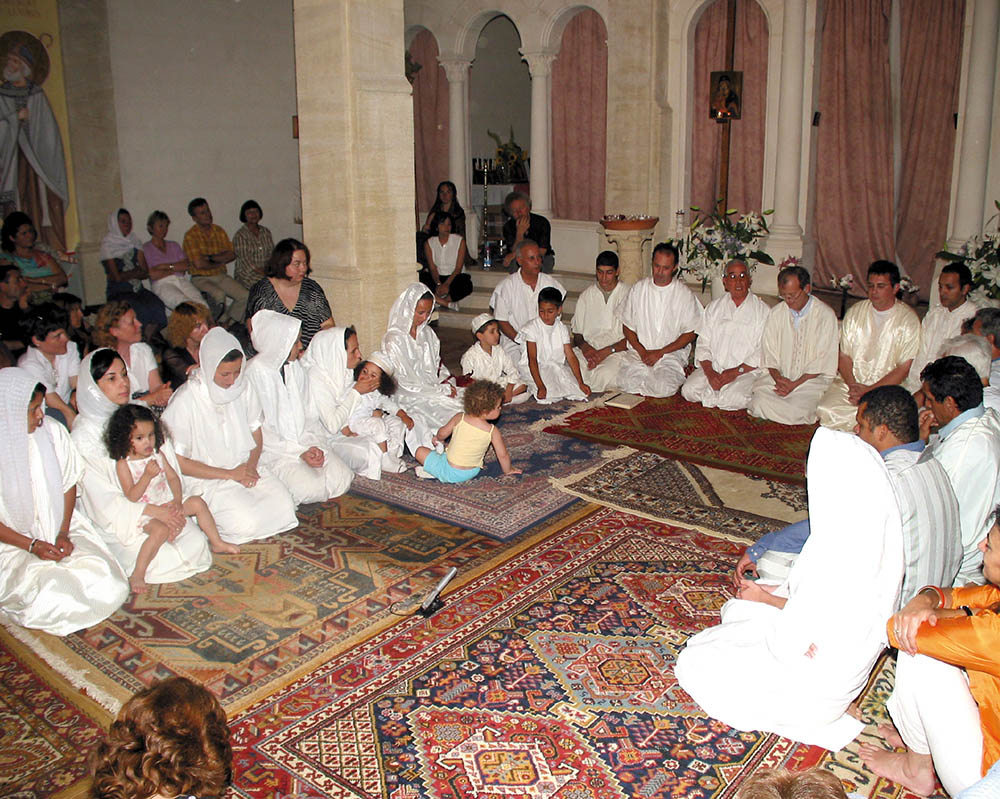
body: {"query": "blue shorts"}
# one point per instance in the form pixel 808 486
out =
pixel 436 463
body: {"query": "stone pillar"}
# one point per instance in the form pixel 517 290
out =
pixel 629 243
pixel 974 157
pixel 540 67
pixel 356 156
pixel 786 233
pixel 93 132
pixel 457 72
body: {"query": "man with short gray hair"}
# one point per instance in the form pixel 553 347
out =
pixel 986 323
pixel 515 299
pixel 524 225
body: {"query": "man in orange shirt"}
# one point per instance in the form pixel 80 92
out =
pixel 946 703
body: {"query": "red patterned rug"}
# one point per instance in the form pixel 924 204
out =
pixel 548 676
pixel 676 428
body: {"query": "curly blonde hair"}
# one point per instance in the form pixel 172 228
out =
pixel 481 397
pixel 781 783
pixel 185 318
pixel 108 316
pixel 170 739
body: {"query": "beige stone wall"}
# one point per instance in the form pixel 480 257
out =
pixel 356 156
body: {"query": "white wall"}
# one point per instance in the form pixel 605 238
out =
pixel 204 97
pixel 499 90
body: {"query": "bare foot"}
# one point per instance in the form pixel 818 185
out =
pixel 225 548
pixel 138 585
pixel 915 772
pixel 891 736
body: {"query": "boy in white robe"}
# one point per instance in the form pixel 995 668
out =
pixel 598 339
pixel 806 648
pixel 728 349
pixel 56 575
pixel 798 352
pixel 334 394
pixel 879 338
pixel 310 472
pixel 219 442
pixel 549 367
pixel 487 360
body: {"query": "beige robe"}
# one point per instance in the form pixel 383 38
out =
pixel 874 356
pixel 809 349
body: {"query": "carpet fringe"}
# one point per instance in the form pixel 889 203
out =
pixel 581 405
pixel 78 679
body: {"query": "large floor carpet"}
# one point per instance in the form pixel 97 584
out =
pixel 549 675
pixel 676 428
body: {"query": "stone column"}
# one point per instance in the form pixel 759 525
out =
pixel 93 133
pixel 629 243
pixel 540 67
pixel 974 157
pixel 457 72
pixel 786 233
pixel 356 156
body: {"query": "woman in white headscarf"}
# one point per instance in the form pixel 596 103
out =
pixel 311 472
pixel 219 441
pixel 125 265
pixel 426 391
pixel 334 395
pixel 102 387
pixel 56 574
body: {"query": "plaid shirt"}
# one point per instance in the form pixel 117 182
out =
pixel 197 242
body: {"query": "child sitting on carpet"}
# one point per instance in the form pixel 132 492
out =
pixel 471 435
pixel 168 740
pixel 780 783
pixel 133 437
pixel 377 416
pixel 548 363
pixel 487 360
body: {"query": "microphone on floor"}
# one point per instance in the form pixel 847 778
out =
pixel 432 602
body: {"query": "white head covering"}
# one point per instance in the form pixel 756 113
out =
pixel 214 347
pixel 480 320
pixel 975 349
pixel 114 244
pixel 16 387
pixel 381 360
pixel 401 313
pixel 326 360
pixel 273 335
pixel 93 402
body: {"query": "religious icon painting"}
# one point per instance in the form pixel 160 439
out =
pixel 726 94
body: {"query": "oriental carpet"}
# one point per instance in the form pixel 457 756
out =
pixel 676 428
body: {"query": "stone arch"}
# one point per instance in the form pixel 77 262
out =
pixel 559 16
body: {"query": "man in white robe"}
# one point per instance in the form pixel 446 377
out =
pixel 968 446
pixel 310 471
pixel 805 650
pixel 944 321
pixel 659 319
pixel 515 299
pixel 798 353
pixel 986 323
pixel 56 575
pixel 219 444
pixel 879 338
pixel 728 352
pixel 598 340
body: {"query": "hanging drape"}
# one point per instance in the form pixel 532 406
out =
pixel 579 119
pixel 930 63
pixel 746 146
pixel 430 121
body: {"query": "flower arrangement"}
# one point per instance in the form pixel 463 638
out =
pixel 511 156
pixel 907 286
pixel 843 283
pixel 789 260
pixel 715 239
pixel 982 255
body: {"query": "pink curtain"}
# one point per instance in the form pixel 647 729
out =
pixel 854 157
pixel 579 119
pixel 931 55
pixel 746 143
pixel 430 121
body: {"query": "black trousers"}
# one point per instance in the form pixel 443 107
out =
pixel 461 286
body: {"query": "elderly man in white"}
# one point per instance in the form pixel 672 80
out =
pixel 986 323
pixel 515 299
pixel 943 321
pixel 799 353
pixel 598 339
pixel 879 338
pixel 728 351
pixel 659 318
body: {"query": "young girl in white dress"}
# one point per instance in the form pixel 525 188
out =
pixel 134 437
pixel 377 416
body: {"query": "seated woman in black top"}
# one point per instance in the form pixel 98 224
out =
pixel 287 289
